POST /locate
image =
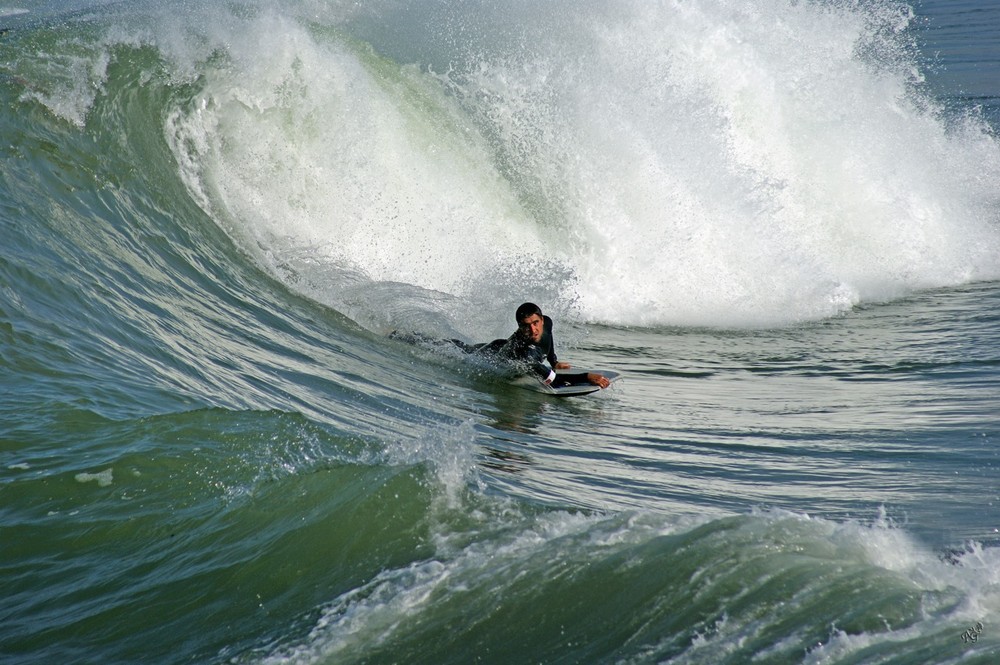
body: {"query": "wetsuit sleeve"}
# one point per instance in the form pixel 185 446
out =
pixel 573 379
pixel 531 356
pixel 545 374
pixel 534 357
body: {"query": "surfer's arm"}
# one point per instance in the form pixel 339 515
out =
pixel 545 374
pixel 581 378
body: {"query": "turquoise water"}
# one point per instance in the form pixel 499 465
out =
pixel 778 220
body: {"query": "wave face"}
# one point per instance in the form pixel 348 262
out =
pixel 768 216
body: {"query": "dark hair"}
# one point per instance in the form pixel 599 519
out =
pixel 526 310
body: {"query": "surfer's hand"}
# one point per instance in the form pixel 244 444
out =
pixel 598 380
pixel 562 365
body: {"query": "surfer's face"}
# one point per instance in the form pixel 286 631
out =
pixel 532 328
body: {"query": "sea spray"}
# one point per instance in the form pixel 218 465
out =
pixel 663 163
pixel 651 164
pixel 752 164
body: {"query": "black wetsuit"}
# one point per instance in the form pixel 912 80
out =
pixel 538 358
pixel 517 351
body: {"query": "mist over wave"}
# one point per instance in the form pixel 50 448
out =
pixel 634 163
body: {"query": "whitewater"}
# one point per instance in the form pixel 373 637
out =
pixel 778 219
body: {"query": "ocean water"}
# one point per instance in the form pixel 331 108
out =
pixel 779 219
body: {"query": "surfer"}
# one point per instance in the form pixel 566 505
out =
pixel 532 346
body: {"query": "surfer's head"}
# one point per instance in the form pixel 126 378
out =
pixel 530 322
pixel 526 310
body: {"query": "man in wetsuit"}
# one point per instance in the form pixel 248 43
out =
pixel 532 346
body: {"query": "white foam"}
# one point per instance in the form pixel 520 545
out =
pixel 744 164
pixel 103 478
pixel 324 145
pixel 770 546
pixel 375 612
pixel 651 163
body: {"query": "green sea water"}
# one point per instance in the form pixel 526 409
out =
pixel 777 220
